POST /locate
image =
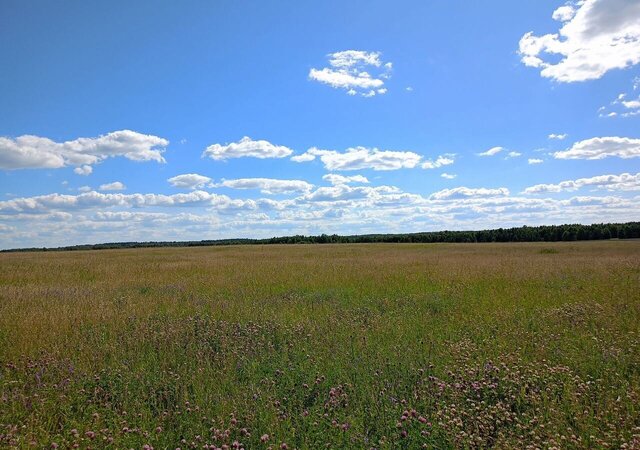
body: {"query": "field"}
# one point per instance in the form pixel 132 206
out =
pixel 323 346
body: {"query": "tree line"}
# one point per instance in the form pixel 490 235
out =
pixel 543 233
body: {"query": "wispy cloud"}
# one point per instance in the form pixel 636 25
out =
pixel 355 71
pixel 492 151
pixel 334 179
pixel 442 160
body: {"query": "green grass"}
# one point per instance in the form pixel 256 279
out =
pixel 329 346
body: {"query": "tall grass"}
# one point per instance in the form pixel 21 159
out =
pixel 338 346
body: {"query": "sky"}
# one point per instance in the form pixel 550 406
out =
pixel 163 120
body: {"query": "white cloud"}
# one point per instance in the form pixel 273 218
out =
pixel 358 158
pixel 115 186
pixel 334 179
pixel 83 170
pixel 304 157
pixel 535 161
pixel 602 147
pixel 344 192
pixel 190 181
pixel 34 152
pixel 492 151
pixel 596 36
pixel 247 148
pixel 98 200
pixel 268 185
pixel 631 104
pixel 513 154
pixel 622 106
pixel 84 188
pixel 564 13
pixel 558 136
pixel 342 79
pixel 442 160
pixel 353 58
pixel 622 182
pixel 352 70
pixel 58 219
pixel 448 176
pixel 465 192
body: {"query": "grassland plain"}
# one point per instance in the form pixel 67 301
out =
pixel 323 346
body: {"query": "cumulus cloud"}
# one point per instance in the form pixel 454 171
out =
pixel 558 136
pixel 492 151
pixel 344 192
pixel 355 71
pixel 535 161
pixel 596 36
pixel 190 181
pixel 246 148
pixel 443 160
pixel 97 200
pixel 622 182
pixel 83 170
pixel 448 176
pixel 334 179
pixel 269 186
pixel 513 155
pixel 358 158
pixel 58 219
pixel 602 147
pixel 34 152
pixel 465 192
pixel 115 186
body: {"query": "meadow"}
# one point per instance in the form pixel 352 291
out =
pixel 528 345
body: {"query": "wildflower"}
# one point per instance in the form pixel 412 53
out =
pixel 264 438
pixel 90 434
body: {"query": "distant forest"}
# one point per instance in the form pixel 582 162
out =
pixel 545 233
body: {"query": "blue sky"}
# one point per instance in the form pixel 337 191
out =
pixel 127 120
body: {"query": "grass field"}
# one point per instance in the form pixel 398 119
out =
pixel 324 346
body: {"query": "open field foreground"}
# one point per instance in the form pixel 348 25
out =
pixel 323 346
